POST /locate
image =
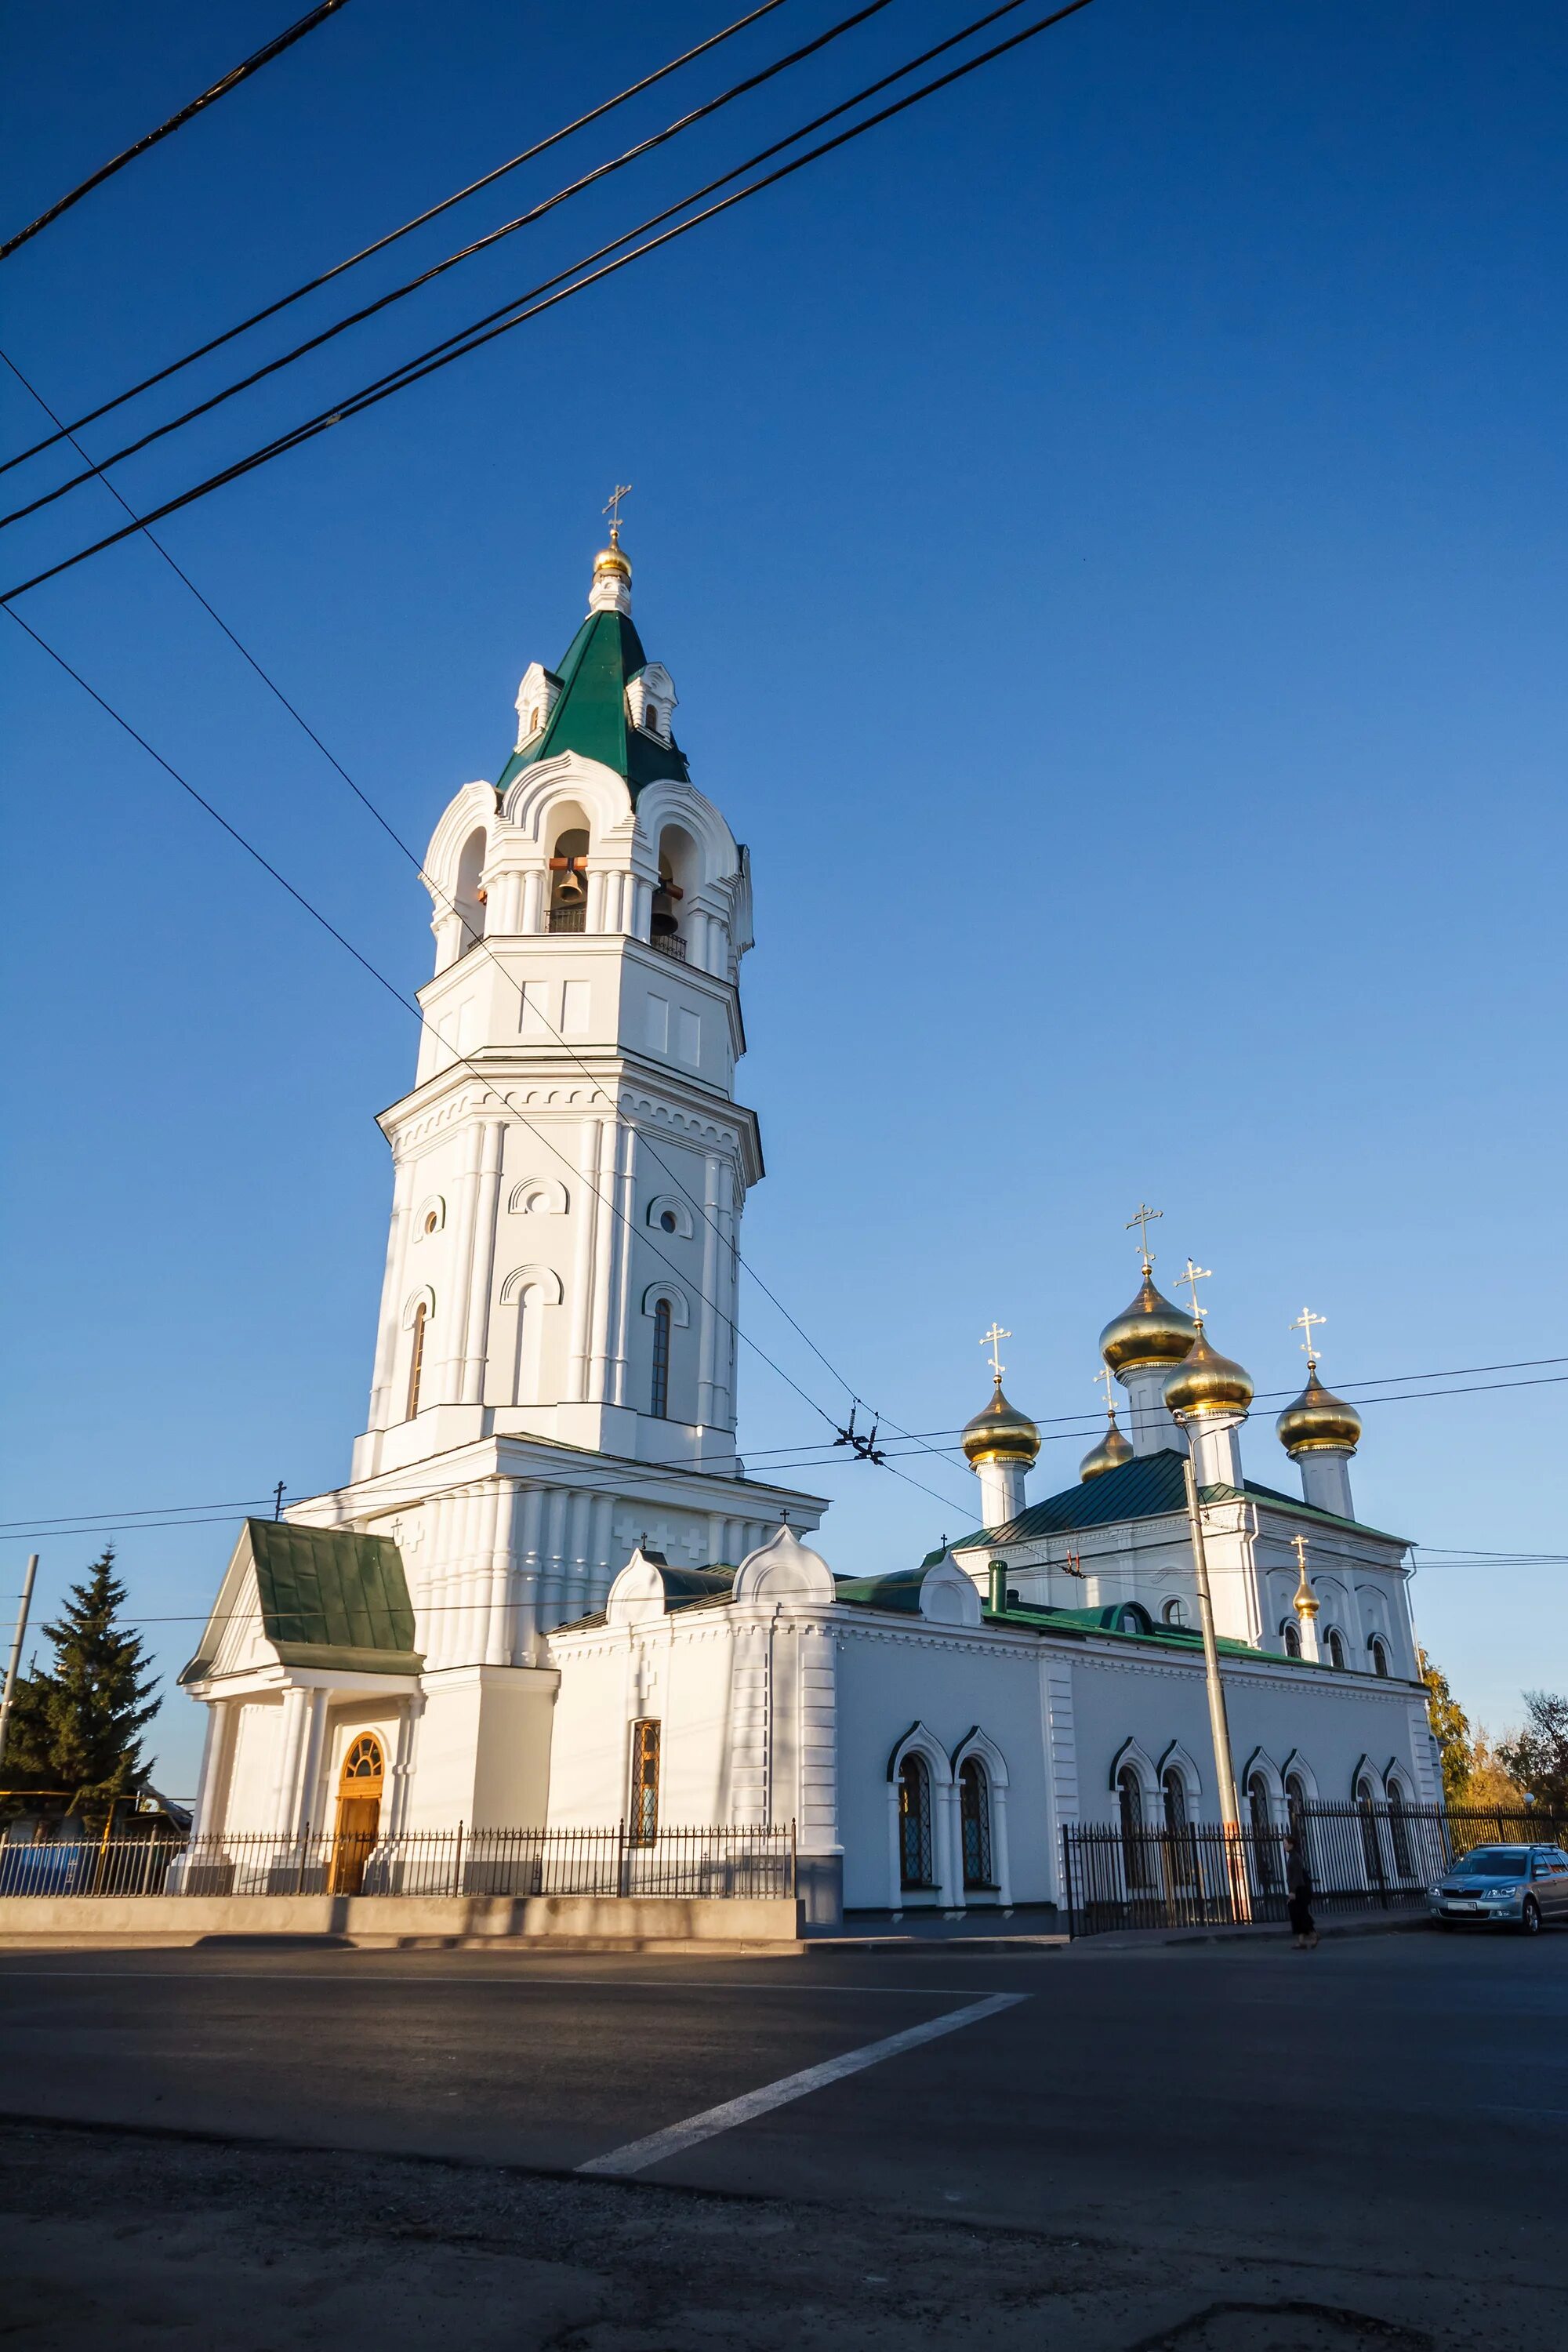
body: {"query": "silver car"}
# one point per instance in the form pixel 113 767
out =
pixel 1522 1887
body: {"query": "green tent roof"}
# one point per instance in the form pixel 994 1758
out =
pixel 328 1598
pixel 590 713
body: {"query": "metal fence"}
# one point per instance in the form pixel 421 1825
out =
pixel 1190 1874
pixel 517 1863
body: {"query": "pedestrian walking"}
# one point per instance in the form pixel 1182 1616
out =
pixel 1298 1883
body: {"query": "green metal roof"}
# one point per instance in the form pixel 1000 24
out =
pixel 590 713
pixel 900 1590
pixel 328 1598
pixel 1150 1486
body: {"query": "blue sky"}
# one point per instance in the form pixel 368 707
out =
pixel 1106 532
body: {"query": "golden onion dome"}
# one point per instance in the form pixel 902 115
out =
pixel 1151 1331
pixel 1000 1433
pixel 1110 1454
pixel 1207 1382
pixel 613 559
pixel 1318 1420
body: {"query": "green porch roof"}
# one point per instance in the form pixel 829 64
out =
pixel 590 713
pixel 328 1598
pixel 1150 1486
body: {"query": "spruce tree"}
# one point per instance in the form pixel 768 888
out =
pixel 78 1726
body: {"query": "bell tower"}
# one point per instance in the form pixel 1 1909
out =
pixel 555 1370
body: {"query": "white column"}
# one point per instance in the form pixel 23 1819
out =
pixel 290 1757
pixel 477 1336
pixel 525 1578
pixel 410 1710
pixel 390 1291
pixel 1216 1453
pixel 1150 1428
pixel 222 1718
pixel 456 1317
pixel 707 1333
pixel 1326 1481
pixel 624 1233
pixel 585 1211
pixel 1001 1492
pixel 603 1261
pixel 534 883
pixel 593 915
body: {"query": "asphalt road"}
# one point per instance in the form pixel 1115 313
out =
pixel 1389 2116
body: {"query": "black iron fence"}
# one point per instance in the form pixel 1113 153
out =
pixel 713 1862
pixel 1192 1875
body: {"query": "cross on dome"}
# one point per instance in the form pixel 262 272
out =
pixel 993 1340
pixel 612 507
pixel 1191 1278
pixel 1143 1217
pixel 1304 1322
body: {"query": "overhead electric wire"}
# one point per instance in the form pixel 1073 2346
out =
pixel 440 896
pixel 480 332
pixel 464 253
pixel 219 88
pixel 487 1078
pixel 324 277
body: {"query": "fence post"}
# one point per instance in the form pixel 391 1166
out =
pixel 794 1865
pixel 1067 1872
pixel 621 1855
pixel 300 1843
pixel 457 1862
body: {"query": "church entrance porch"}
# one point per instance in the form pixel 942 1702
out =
pixel 360 1788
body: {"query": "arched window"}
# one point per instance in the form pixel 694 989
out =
pixel 1129 1800
pixel 1174 1791
pixel 645 1781
pixel 416 1358
pixel 1296 1799
pixel 568 879
pixel 1379 1656
pixel 1260 1814
pixel 1399 1831
pixel 1290 1635
pixel 469 897
pixel 974 1823
pixel 1336 1646
pixel 1175 1612
pixel 658 1401
pixel 1371 1843
pixel 914 1822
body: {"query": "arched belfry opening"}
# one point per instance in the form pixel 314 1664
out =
pixel 568 873
pixel 679 869
pixel 469 897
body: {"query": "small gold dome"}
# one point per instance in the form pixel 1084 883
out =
pixel 1207 1383
pixel 1000 1433
pixel 613 559
pixel 1151 1331
pixel 1110 1454
pixel 1318 1420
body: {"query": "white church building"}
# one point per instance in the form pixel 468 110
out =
pixel 549 1593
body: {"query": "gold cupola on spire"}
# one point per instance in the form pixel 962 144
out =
pixel 1110 1452
pixel 1317 1421
pixel 1000 1433
pixel 1207 1384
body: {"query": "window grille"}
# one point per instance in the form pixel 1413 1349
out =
pixel 644 1809
pixel 417 1360
pixel 914 1824
pixel 658 1401
pixel 974 1823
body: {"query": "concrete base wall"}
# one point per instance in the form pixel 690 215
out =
pixel 27 1922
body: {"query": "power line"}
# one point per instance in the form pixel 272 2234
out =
pixel 220 89
pixel 480 333
pixel 451 261
pixel 409 1005
pixel 632 90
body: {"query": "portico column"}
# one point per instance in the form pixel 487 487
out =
pixel 290 1755
pixel 214 1766
pixel 315 1739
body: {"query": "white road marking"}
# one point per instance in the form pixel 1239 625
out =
pixel 638 2154
pixel 508 1983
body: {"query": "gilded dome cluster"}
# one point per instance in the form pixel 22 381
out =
pixel 1110 1452
pixel 1151 1331
pixel 1000 1433
pixel 1318 1421
pixel 1207 1384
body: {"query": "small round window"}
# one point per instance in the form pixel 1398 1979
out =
pixel 668 1219
pixel 431 1221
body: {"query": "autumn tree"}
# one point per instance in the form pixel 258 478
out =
pixel 1537 1755
pixel 1450 1729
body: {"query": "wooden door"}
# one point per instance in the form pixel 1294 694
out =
pixel 360 1785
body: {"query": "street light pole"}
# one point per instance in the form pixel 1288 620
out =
pixel 1219 1725
pixel 16 1651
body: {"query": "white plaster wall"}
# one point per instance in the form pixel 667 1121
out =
pixel 253 1765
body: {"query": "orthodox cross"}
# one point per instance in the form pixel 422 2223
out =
pixel 1299 1545
pixel 612 507
pixel 277 1494
pixel 1304 1322
pixel 993 1340
pixel 1109 1377
pixel 1143 1217
pixel 1192 1276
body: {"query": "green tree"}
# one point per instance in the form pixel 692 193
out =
pixel 1537 1756
pixel 1450 1729
pixel 78 1725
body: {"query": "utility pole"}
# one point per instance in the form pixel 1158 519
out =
pixel 1219 1724
pixel 16 1651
